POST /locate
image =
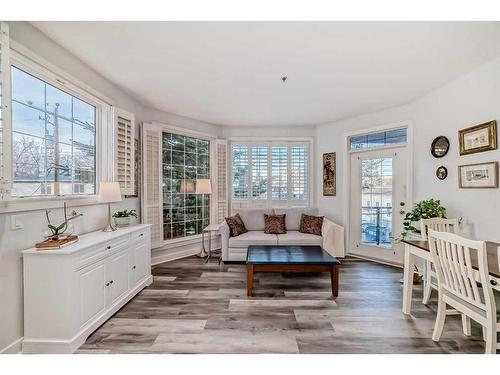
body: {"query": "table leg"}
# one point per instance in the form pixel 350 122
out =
pixel 335 281
pixel 408 279
pixel 249 280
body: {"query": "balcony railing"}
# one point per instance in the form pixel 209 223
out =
pixel 376 225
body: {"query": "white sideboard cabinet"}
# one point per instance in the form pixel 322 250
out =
pixel 70 292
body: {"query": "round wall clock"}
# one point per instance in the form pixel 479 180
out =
pixel 440 146
pixel 441 173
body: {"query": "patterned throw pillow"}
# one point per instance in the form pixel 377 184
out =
pixel 236 225
pixel 311 224
pixel 274 224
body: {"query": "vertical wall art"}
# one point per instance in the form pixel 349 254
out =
pixel 329 174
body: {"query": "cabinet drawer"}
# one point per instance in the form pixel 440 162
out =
pixel 102 251
pixel 142 235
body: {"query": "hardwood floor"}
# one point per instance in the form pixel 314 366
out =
pixel 193 307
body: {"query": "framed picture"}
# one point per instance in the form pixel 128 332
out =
pixel 329 174
pixel 478 176
pixel 442 172
pixel 478 138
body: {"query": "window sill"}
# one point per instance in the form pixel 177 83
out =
pixel 37 203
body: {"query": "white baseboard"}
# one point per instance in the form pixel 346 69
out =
pixel 14 348
pixel 398 265
pixel 167 254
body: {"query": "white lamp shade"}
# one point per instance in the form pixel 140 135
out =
pixel 187 186
pixel 203 186
pixel 110 192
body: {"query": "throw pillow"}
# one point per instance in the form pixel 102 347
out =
pixel 236 225
pixel 274 224
pixel 311 224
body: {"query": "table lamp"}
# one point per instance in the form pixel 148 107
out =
pixel 109 192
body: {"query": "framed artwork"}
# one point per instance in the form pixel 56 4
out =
pixel 442 172
pixel 478 176
pixel 478 138
pixel 329 174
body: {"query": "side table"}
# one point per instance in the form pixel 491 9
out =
pixel 210 229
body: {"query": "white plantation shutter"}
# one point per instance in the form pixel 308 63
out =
pixel 152 197
pixel 279 173
pixel 5 113
pixel 298 169
pixel 125 134
pixel 222 183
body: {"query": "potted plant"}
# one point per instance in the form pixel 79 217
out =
pixel 55 232
pixel 122 218
pixel 426 209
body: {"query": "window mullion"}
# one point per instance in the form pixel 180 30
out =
pixel 250 172
pixel 5 115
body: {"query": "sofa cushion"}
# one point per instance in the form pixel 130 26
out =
pixel 253 238
pixel 300 239
pixel 292 220
pixel 311 224
pixel 236 225
pixel 254 217
pixel 274 224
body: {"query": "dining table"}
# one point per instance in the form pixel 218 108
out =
pixel 420 249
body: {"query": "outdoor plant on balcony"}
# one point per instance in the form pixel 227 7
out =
pixel 426 209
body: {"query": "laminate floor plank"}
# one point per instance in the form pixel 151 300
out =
pixel 198 307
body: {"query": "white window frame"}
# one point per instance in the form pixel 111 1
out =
pixel 24 59
pixel 213 178
pixel 269 202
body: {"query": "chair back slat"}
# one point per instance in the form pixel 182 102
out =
pixel 439 225
pixel 455 271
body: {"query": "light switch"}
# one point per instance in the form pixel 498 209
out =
pixel 16 222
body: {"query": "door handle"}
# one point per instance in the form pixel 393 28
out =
pixel 401 204
pixel 402 212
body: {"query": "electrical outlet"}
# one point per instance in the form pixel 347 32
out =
pixel 17 222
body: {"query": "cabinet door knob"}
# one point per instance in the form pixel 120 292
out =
pixel 493 282
pixel 133 267
pixel 108 247
pixel 142 234
pixel 107 284
pixel 111 282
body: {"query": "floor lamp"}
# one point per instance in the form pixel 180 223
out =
pixel 203 186
pixel 109 192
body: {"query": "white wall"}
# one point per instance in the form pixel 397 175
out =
pixel 12 242
pixel 471 99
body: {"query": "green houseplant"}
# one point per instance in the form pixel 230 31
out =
pixel 426 209
pixel 122 218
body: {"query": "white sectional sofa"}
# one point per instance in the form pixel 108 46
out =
pixel 235 248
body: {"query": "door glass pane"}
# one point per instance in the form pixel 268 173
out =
pixel 376 201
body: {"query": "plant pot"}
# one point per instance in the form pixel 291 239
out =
pixel 122 221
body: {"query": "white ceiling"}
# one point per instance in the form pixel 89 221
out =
pixel 229 73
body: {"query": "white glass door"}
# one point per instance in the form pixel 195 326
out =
pixel 377 203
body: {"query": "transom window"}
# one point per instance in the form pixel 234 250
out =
pixel 270 172
pixel 53 139
pixel 379 139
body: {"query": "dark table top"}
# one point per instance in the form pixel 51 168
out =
pixel 289 255
pixel 492 253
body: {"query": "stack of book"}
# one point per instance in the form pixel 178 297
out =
pixel 53 244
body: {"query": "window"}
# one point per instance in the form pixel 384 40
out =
pixel 279 173
pixel 240 172
pixel 299 172
pixel 185 159
pixel 259 172
pixel 266 173
pixel 53 139
pixel 378 139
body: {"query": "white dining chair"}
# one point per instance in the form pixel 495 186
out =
pixel 439 225
pixel 457 286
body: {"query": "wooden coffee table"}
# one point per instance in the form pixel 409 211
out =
pixel 291 259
